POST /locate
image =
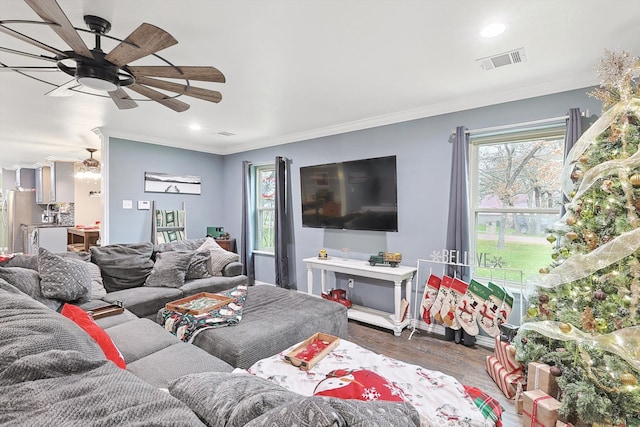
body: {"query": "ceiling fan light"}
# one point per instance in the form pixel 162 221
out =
pixel 97 78
pixel 97 84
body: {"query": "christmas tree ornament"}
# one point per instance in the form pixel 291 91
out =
pixel 635 180
pixel 571 235
pixel 628 379
pixel 431 288
pixel 532 312
pixel 601 325
pixel 448 310
pixel 571 220
pixel 577 175
pixel 544 270
pixel 555 371
pixel 565 327
pixel 543 298
pixel 591 239
pixel 488 318
pixel 469 304
pixel 607 186
pixel 584 159
pixel 443 293
pixel 551 238
pixel 600 295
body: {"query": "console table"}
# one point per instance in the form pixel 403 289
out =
pixel 361 268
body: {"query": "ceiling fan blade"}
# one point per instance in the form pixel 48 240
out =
pixel 50 11
pixel 122 100
pixel 143 41
pixel 27 54
pixel 172 103
pixel 29 40
pixel 196 92
pixel 203 74
pixel 64 89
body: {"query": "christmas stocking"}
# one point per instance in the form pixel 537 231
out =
pixel 488 314
pixel 428 298
pixel 448 310
pixel 443 293
pixel 469 305
pixel 506 308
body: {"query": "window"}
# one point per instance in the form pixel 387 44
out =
pixel 265 207
pixel 515 196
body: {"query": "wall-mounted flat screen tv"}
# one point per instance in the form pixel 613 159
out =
pixel 352 195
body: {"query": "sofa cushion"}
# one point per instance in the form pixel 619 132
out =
pixel 29 327
pixel 123 266
pixel 144 301
pixel 219 257
pixel 163 366
pixel 65 388
pixel 199 265
pixel 63 278
pixel 139 338
pixel 86 322
pixel 97 286
pixel 169 270
pixel 28 281
pixel 31 261
pixel 179 245
pixel 244 344
pixel 212 284
pixel 236 398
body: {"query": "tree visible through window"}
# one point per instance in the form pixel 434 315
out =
pixel 516 195
pixel 265 207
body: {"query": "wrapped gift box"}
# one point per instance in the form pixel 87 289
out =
pixel 505 352
pixel 506 381
pixel 539 378
pixel 539 409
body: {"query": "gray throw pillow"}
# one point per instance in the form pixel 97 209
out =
pixel 97 287
pixel 28 281
pixel 169 269
pixel 123 266
pixel 219 257
pixel 63 278
pixel 199 265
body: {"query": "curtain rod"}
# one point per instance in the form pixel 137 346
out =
pixel 512 126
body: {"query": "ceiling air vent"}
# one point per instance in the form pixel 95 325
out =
pixel 502 59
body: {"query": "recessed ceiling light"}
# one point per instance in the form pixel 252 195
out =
pixel 493 30
pixel 195 126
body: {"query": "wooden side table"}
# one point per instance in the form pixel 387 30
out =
pixel 227 244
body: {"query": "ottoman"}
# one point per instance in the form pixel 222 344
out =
pixel 273 320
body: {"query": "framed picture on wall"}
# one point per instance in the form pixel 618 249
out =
pixel 157 182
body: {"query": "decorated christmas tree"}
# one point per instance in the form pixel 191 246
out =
pixel 583 316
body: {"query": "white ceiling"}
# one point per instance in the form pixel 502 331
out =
pixel 298 69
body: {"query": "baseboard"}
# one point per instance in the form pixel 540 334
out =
pixel 481 340
pixel 258 282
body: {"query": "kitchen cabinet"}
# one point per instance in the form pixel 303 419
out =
pixel 25 178
pixel 62 182
pixel 43 185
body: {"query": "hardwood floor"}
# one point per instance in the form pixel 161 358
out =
pixel 466 364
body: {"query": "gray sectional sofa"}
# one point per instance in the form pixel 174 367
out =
pixel 53 373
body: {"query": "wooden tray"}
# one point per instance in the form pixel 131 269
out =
pixel 107 310
pixel 198 303
pixel 304 364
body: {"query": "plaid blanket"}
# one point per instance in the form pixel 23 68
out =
pixel 187 326
pixel 490 408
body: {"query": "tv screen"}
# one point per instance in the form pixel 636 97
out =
pixel 353 195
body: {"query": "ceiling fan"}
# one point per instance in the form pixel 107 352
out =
pixel 111 72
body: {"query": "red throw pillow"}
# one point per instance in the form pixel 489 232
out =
pixel 360 384
pixel 86 322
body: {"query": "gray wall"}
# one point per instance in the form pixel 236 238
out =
pixel 423 162
pixel 129 160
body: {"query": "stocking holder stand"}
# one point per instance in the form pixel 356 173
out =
pixel 508 277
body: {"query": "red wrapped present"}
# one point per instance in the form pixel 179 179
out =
pixel 506 381
pixel 506 354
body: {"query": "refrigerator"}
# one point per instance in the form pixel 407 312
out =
pixel 19 210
